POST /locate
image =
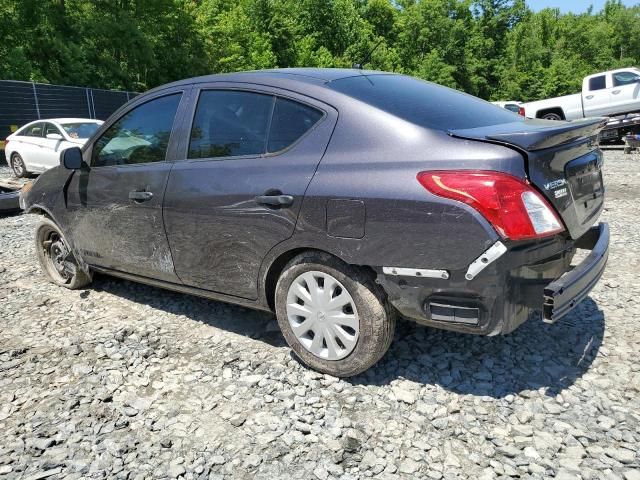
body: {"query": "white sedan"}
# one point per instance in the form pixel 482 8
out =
pixel 36 147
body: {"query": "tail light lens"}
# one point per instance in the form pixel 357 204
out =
pixel 511 205
pixel 521 111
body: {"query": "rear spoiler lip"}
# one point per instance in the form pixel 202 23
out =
pixel 541 134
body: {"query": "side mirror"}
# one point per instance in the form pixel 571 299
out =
pixel 54 136
pixel 71 158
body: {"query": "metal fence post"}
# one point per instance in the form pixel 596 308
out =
pixel 93 105
pixel 35 98
pixel 86 91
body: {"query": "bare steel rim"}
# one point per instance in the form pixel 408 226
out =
pixel 17 165
pixel 323 315
pixel 59 260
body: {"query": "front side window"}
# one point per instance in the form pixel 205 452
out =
pixel 625 78
pixel 597 83
pixel 140 136
pixel 290 121
pixel 230 123
pixel 80 129
pixel 34 130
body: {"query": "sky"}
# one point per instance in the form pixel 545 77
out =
pixel 575 6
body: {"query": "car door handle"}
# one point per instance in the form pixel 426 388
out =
pixel 275 200
pixel 140 196
pixel 615 92
pixel 589 97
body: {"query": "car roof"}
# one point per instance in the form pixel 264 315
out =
pixel 277 77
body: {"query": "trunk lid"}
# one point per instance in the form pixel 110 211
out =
pixel 562 160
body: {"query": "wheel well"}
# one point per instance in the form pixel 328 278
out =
pixel 41 211
pixel 556 110
pixel 276 268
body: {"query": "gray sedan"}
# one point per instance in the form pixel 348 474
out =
pixel 335 198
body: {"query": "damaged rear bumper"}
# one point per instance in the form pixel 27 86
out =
pixel 526 278
pixel 9 201
pixel 563 294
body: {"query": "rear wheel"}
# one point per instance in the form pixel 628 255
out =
pixel 552 116
pixel 56 259
pixel 333 316
pixel 18 166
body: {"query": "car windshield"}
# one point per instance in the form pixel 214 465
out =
pixel 80 129
pixel 423 103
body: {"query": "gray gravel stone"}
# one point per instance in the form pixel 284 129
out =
pixel 127 381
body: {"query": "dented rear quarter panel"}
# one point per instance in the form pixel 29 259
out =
pixel 377 162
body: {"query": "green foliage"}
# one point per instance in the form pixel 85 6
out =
pixel 496 49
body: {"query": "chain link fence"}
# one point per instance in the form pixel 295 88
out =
pixel 23 102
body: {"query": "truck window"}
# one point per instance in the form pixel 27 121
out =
pixel 625 78
pixel 597 83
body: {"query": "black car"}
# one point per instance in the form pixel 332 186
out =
pixel 334 198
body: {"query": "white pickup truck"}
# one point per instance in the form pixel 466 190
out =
pixel 610 93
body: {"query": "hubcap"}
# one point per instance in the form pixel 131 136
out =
pixel 17 166
pixel 323 315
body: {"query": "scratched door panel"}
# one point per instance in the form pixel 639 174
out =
pixel 116 232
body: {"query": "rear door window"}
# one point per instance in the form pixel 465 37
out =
pixel 291 120
pixel 230 123
pixel 51 128
pixel 140 136
pixel 598 83
pixel 423 103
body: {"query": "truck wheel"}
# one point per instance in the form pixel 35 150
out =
pixel 333 316
pixel 551 116
pixel 56 259
pixel 18 166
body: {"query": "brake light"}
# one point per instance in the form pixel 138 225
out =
pixel 511 205
pixel 521 111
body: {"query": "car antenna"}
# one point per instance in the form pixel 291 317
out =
pixel 368 57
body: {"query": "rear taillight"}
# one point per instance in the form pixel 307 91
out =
pixel 511 205
pixel 521 111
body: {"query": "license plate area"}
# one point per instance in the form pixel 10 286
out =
pixel 584 175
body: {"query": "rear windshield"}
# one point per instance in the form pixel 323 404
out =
pixel 423 103
pixel 80 129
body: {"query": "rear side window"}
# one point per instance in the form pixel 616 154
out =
pixel 291 120
pixel 34 130
pixel 598 83
pixel 423 103
pixel 230 123
pixel 140 136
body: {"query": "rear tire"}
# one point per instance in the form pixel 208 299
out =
pixel 56 259
pixel 18 166
pixel 354 328
pixel 552 116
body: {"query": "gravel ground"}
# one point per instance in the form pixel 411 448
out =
pixel 129 381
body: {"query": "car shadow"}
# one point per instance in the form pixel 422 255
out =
pixel 536 356
pixel 255 324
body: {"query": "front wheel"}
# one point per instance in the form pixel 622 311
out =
pixel 56 259
pixel 18 166
pixel 333 316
